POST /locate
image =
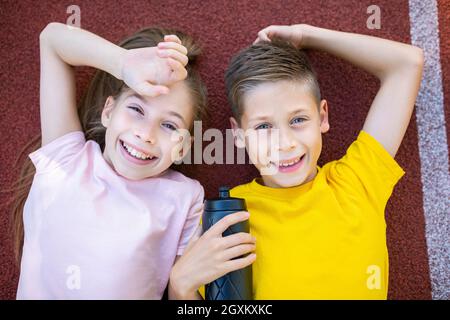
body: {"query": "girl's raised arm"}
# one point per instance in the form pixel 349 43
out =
pixel 147 71
pixel 61 47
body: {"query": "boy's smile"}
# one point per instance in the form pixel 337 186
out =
pixel 286 127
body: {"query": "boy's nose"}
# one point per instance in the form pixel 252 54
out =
pixel 287 141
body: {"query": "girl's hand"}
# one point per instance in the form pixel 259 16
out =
pixel 294 34
pixel 211 255
pixel 149 71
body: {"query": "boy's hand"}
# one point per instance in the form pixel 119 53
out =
pixel 149 71
pixel 210 256
pixel 293 34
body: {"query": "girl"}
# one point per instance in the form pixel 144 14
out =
pixel 105 217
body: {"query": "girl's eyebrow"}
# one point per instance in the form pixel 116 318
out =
pixel 177 115
pixel 172 113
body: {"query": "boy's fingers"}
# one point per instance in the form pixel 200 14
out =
pixel 263 36
pixel 179 72
pixel 174 54
pixel 172 37
pixel 149 90
pixel 174 46
pixel 239 238
pixel 224 223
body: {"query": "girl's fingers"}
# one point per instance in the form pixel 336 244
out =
pixel 149 90
pixel 238 238
pixel 238 251
pixel 236 264
pixel 178 70
pixel 174 46
pixel 172 37
pixel 224 223
pixel 174 54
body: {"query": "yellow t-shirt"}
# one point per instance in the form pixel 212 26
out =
pixel 325 239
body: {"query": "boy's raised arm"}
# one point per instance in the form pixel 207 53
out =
pixel 398 66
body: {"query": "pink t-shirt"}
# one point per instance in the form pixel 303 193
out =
pixel 93 234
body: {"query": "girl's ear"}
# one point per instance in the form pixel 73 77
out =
pixel 107 111
pixel 323 113
pixel 238 134
pixel 183 146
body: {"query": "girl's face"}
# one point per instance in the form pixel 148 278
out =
pixel 145 135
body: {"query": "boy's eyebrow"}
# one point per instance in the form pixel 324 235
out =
pixel 291 113
pixel 172 113
pixel 299 110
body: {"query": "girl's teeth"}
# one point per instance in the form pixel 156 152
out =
pixel 135 153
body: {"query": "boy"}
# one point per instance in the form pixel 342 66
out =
pixel 320 231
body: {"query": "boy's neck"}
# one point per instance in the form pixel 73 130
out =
pixel 271 184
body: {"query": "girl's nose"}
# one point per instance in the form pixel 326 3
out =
pixel 146 132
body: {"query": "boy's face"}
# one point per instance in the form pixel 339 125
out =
pixel 285 111
pixel 153 126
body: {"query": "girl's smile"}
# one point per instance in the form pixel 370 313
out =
pixel 132 155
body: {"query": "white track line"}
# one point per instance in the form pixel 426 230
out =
pixel 433 146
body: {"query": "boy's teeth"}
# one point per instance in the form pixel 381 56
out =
pixel 287 164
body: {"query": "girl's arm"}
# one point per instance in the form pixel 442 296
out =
pixel 177 291
pixel 210 256
pixel 62 46
pixel 398 66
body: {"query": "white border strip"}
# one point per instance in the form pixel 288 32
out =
pixel 433 146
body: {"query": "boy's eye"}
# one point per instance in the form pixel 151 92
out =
pixel 170 126
pixel 298 120
pixel 262 126
pixel 137 109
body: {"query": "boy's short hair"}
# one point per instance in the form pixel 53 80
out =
pixel 267 62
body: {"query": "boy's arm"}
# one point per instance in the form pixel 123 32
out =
pixel 398 66
pixel 60 48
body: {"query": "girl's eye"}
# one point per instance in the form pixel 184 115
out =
pixel 170 126
pixel 263 126
pixel 137 109
pixel 298 120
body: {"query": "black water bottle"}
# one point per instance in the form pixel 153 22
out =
pixel 236 285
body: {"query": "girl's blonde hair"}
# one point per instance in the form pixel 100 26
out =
pixel 90 109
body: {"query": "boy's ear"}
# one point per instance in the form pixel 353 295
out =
pixel 238 133
pixel 107 111
pixel 323 113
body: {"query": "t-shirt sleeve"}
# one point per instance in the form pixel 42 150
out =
pixel 58 152
pixel 193 218
pixel 367 169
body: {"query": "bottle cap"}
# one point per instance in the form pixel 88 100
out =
pixel 224 202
